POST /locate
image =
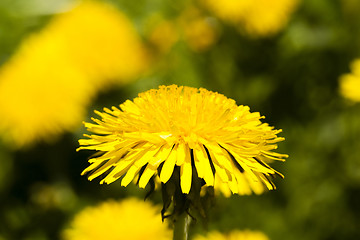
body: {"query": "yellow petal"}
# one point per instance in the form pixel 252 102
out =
pixel 139 161
pixel 133 170
pixel 161 155
pixel 203 166
pixel 242 182
pixel 168 166
pixel 119 170
pixel 147 174
pixel 186 172
pixel 219 169
pixel 180 154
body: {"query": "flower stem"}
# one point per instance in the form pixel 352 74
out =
pixel 181 227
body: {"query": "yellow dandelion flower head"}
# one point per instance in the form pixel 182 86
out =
pixel 112 220
pixel 256 17
pixel 233 235
pixel 350 83
pixel 196 132
pixel 41 94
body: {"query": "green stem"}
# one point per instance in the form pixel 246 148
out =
pixel 181 227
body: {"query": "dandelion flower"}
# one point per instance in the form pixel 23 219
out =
pixel 128 219
pixel 257 17
pixel 41 94
pixel 47 84
pixel 350 83
pixel 234 235
pixel 186 132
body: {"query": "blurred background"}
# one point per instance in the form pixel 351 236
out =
pixel 291 60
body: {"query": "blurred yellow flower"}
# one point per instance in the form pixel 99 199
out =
pixel 200 32
pixel 103 42
pixel 350 83
pixel 47 84
pixel 193 130
pixel 234 235
pixel 40 93
pixel 112 220
pixel 164 35
pixel 257 17
pixel 200 35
